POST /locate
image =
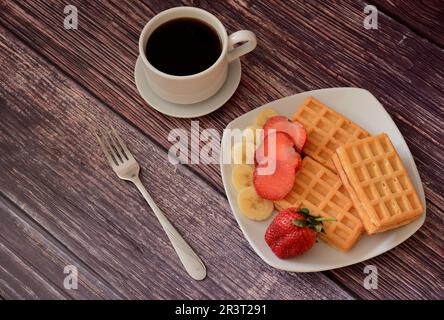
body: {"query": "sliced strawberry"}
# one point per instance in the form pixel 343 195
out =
pixel 294 129
pixel 270 123
pixel 277 185
pixel 284 148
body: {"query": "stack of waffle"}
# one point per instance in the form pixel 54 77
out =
pixel 347 174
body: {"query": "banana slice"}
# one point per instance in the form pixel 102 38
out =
pixel 243 152
pixel 264 115
pixel 242 176
pixel 250 133
pixel 253 206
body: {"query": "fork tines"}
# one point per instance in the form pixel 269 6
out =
pixel 114 148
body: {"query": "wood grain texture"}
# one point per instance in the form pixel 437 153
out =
pixel 424 17
pixel 33 262
pixel 301 46
pixel 58 176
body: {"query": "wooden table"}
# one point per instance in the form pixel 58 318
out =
pixel 60 204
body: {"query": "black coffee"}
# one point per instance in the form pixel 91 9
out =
pixel 183 46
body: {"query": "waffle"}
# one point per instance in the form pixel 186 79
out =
pixel 326 130
pixel 320 190
pixel 378 182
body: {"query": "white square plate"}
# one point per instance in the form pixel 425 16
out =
pixel 360 106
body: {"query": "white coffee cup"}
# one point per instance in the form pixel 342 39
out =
pixel 200 86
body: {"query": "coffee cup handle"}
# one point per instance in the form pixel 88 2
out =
pixel 240 36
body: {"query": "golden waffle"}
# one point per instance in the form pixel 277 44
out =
pixel 326 130
pixel 320 190
pixel 378 182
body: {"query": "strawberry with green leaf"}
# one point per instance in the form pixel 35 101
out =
pixel 293 232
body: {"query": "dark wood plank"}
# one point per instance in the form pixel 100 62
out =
pixel 58 176
pixel 424 17
pixel 32 263
pixel 23 283
pixel 301 47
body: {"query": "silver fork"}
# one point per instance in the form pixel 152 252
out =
pixel 127 168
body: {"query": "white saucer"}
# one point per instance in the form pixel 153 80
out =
pixel 188 110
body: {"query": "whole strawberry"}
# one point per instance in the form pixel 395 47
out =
pixel 293 232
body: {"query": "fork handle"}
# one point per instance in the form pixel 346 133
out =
pixel 190 260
